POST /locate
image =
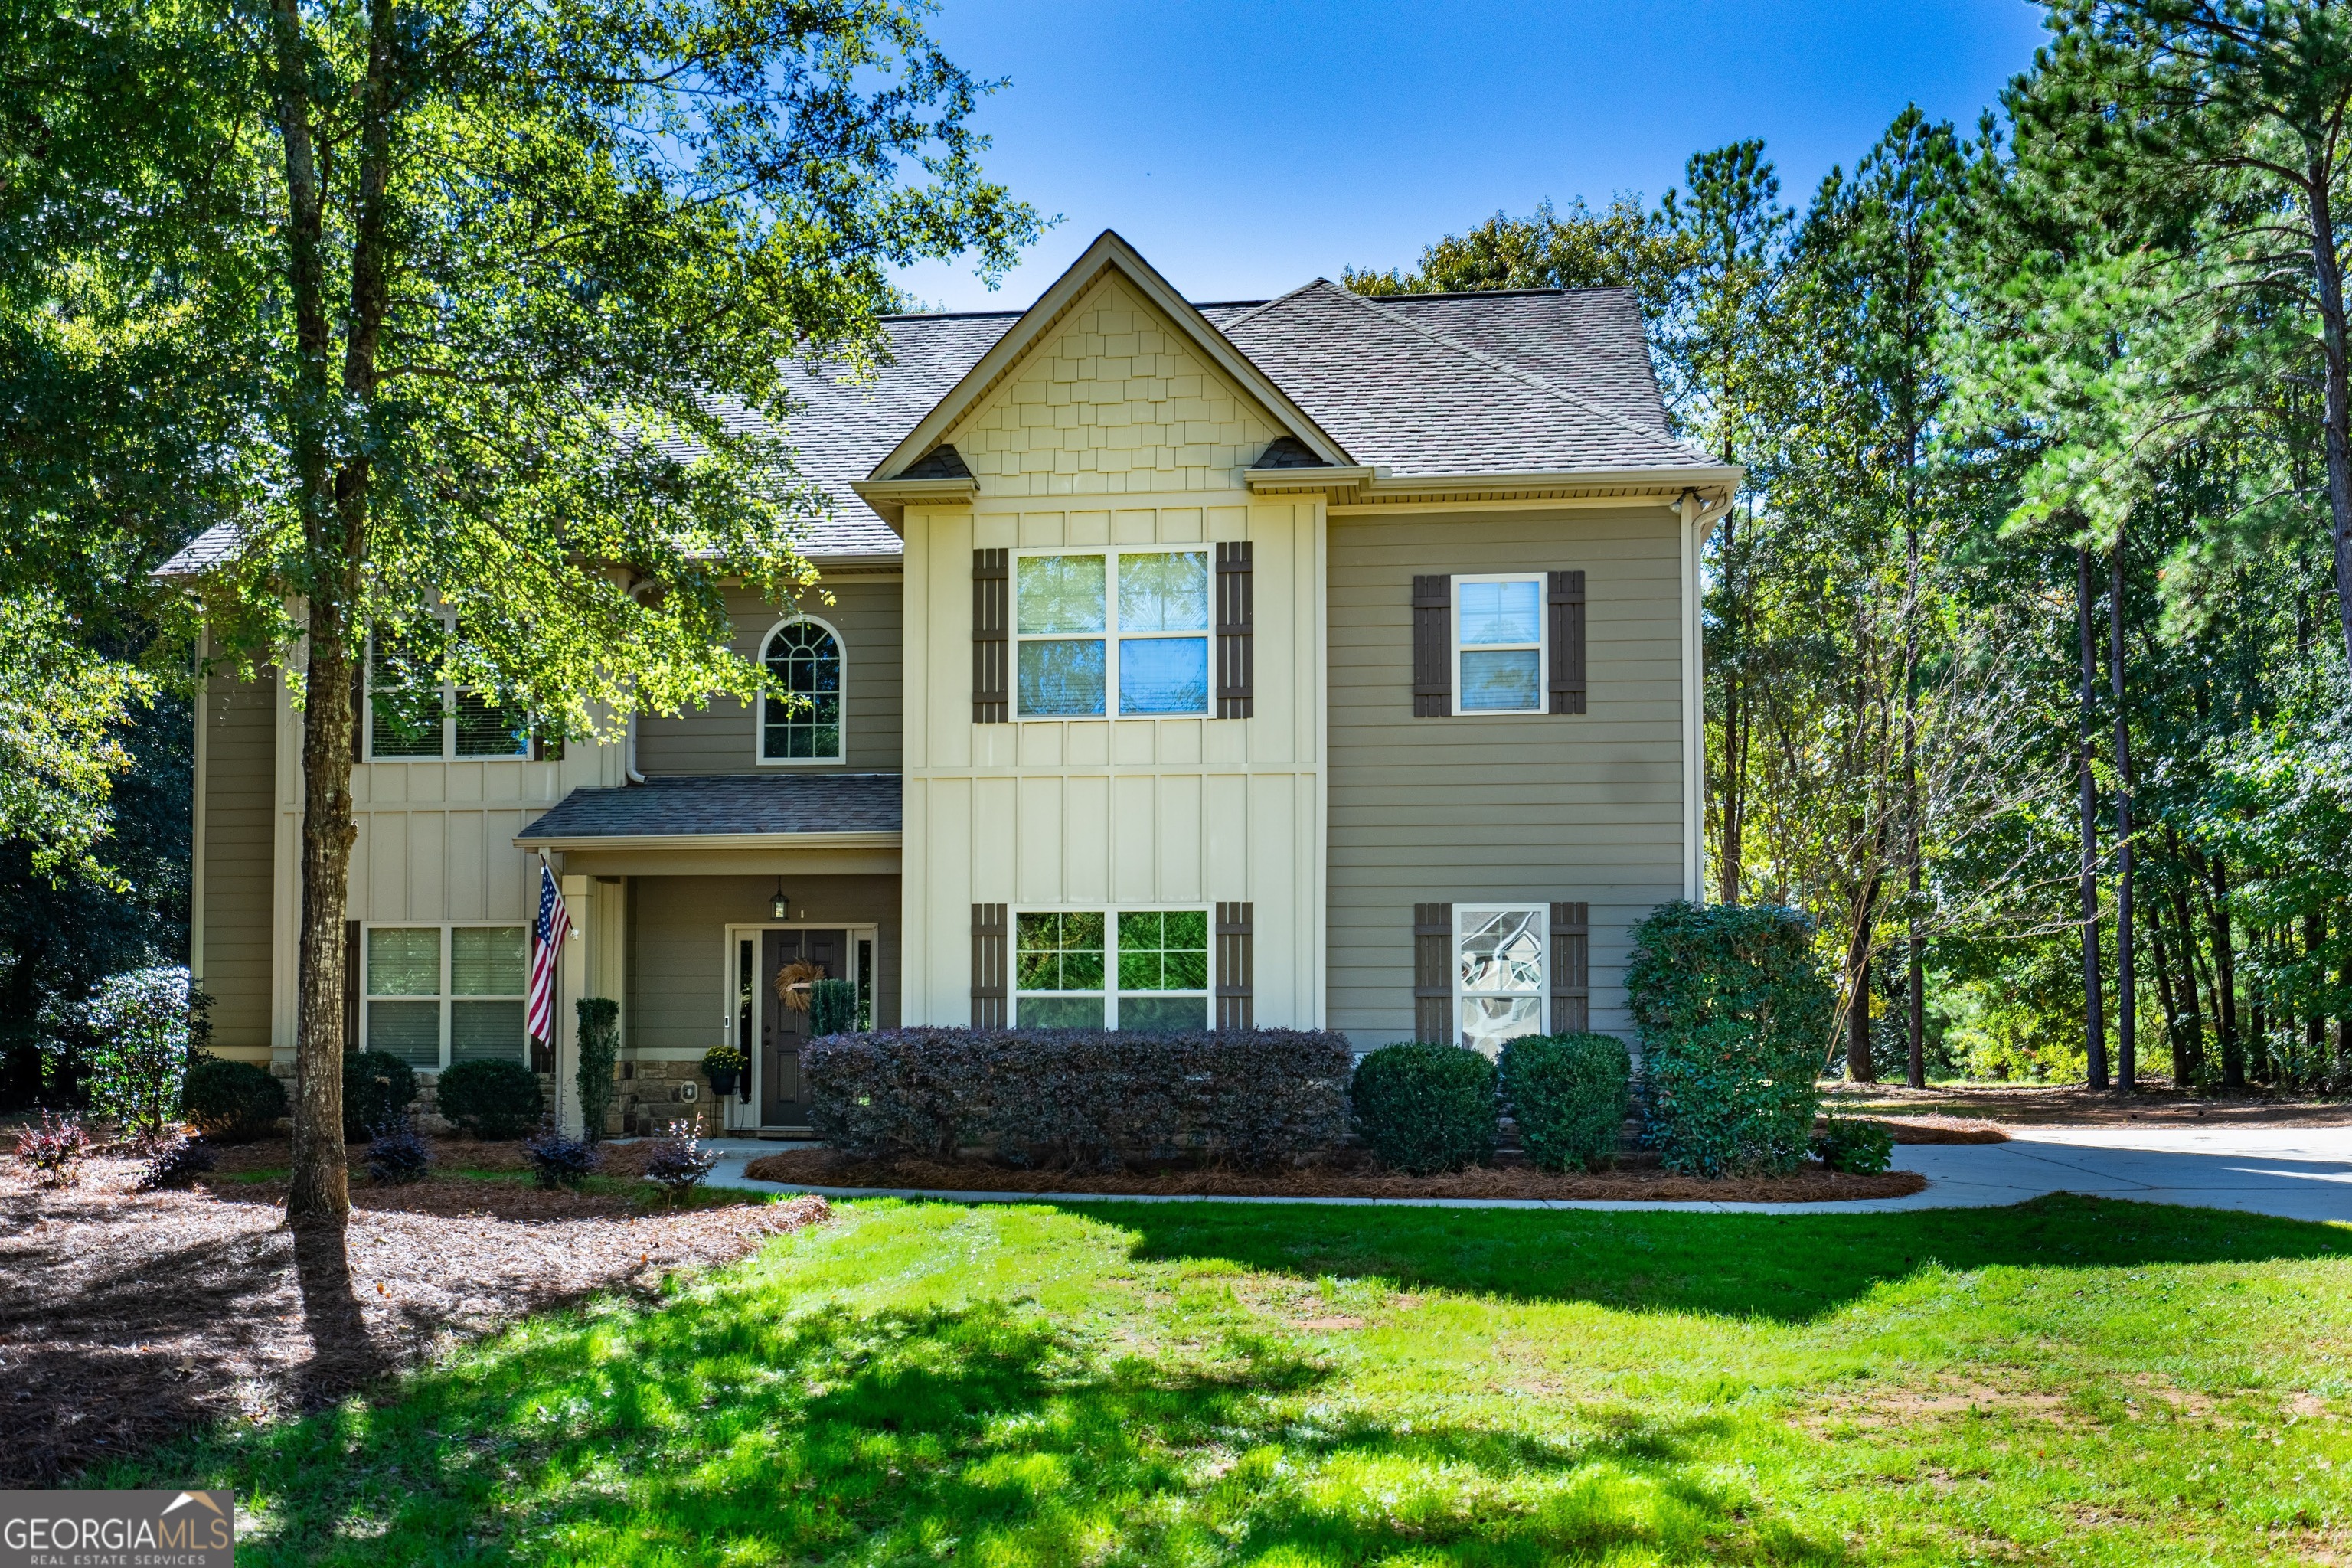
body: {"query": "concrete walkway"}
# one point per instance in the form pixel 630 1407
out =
pixel 2295 1172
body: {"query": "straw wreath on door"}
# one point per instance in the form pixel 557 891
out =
pixel 793 981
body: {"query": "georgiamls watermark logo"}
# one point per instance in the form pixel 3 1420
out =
pixel 118 1530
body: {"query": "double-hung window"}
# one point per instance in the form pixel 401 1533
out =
pixel 413 715
pixel 1127 969
pixel 1498 644
pixel 1133 623
pixel 437 994
pixel 1499 973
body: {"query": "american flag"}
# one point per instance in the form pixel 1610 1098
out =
pixel 546 941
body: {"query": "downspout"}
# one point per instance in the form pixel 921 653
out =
pixel 629 752
pixel 1699 517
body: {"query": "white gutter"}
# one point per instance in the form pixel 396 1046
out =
pixel 629 756
pixel 875 840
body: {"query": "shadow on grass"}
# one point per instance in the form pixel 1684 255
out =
pixel 707 1432
pixel 1789 1268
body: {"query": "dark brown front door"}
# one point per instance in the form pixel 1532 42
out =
pixel 783 1098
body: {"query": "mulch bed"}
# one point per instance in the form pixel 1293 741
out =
pixel 822 1168
pixel 126 1316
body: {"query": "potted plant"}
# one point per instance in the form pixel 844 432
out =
pixel 720 1065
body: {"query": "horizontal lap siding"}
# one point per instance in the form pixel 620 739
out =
pixel 723 739
pixel 678 926
pixel 240 820
pixel 1463 810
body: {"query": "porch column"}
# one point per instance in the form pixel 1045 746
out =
pixel 572 976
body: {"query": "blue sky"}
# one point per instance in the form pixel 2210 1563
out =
pixel 1247 148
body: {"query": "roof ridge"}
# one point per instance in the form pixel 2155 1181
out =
pixel 1500 293
pixel 1248 316
pixel 1522 374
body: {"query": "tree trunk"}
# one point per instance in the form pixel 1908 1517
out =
pixel 2225 977
pixel 2127 982
pixel 1858 1065
pixel 334 541
pixel 2173 1037
pixel 2095 1034
pixel 2337 439
pixel 2187 933
pixel 1916 978
pixel 2315 957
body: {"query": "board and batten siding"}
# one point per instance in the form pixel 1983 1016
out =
pixel 678 989
pixel 234 874
pixel 724 737
pixel 1512 809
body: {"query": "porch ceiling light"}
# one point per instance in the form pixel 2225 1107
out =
pixel 779 906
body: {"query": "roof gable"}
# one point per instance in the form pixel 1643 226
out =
pixel 1110 277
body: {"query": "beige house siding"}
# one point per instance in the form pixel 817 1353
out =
pixel 1511 809
pixel 724 737
pixel 678 930
pixel 234 966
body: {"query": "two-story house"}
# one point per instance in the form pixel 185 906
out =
pixel 1325 661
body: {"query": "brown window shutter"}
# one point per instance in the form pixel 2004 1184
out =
pixel 1432 647
pixel 990 642
pixel 1236 660
pixel 1567 629
pixel 1572 968
pixel 351 1002
pixel 987 956
pixel 1433 972
pixel 1236 965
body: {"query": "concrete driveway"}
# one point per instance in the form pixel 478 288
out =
pixel 2295 1172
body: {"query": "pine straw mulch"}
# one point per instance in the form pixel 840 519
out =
pixel 2155 1103
pixel 126 1316
pixel 1357 1178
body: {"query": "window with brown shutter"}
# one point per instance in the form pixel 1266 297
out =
pixel 990 617
pixel 1433 972
pixel 1236 965
pixel 988 960
pixel 1572 968
pixel 1432 647
pixel 1236 687
pixel 1567 609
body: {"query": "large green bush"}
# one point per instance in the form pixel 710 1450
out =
pixel 377 1088
pixel 233 1102
pixel 600 1044
pixel 1425 1107
pixel 1568 1092
pixel 1735 1018
pixel 138 1060
pixel 491 1100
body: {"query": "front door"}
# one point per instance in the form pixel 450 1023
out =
pixel 789 959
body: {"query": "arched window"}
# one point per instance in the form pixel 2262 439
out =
pixel 805 656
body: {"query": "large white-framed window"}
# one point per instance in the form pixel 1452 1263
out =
pixel 1501 958
pixel 806 656
pixel 1111 631
pixel 435 994
pixel 412 719
pixel 1499 648
pixel 1126 969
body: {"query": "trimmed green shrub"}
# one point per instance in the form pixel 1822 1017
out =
pixel 1425 1107
pixel 377 1087
pixel 233 1102
pixel 833 1008
pixel 1848 1143
pixel 600 1046
pixel 1568 1094
pixel 491 1100
pixel 138 1060
pixel 1081 1097
pixel 1735 1017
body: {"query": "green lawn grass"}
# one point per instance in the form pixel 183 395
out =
pixel 2065 1382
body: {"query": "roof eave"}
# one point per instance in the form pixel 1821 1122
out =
pixel 1712 484
pixel 579 841
pixel 891 498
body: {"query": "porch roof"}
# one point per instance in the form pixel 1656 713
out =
pixel 741 808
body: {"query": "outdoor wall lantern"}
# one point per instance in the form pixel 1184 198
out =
pixel 779 906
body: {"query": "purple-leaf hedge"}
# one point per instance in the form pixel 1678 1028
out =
pixel 1081 1097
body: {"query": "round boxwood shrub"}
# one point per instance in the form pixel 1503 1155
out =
pixel 377 1087
pixel 1567 1092
pixel 1424 1108
pixel 491 1100
pixel 1735 1019
pixel 234 1102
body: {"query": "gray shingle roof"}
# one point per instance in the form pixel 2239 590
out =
pixel 1401 395
pixel 1509 382
pixel 745 802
